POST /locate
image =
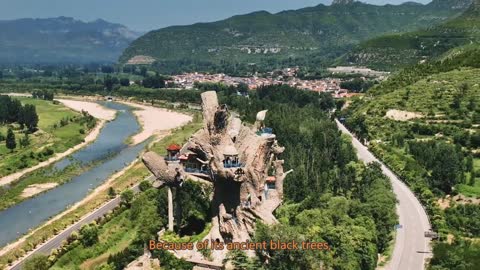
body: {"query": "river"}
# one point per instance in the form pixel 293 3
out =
pixel 110 154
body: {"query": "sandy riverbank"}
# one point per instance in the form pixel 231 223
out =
pixel 155 120
pixel 94 109
pixel 35 189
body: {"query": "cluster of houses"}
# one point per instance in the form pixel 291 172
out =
pixel 287 76
pixel 188 80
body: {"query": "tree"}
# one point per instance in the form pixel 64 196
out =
pixel 13 110
pixel 10 141
pixel 107 69
pixel 145 185
pixel 127 197
pixel 472 104
pixel 458 255
pixel 471 181
pixel 154 82
pixel 25 141
pixel 21 118
pixel 475 140
pixel 461 137
pixel 89 235
pixel 124 82
pixel 30 117
pixel 457 101
pixel 43 94
pixel 109 83
pixel 111 192
pixel 446 168
pixel 149 222
pixel 37 262
pixel 240 260
pixel 469 163
pixel 143 71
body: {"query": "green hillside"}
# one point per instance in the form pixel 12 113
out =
pixel 446 101
pixel 394 51
pixel 307 37
pixel 424 123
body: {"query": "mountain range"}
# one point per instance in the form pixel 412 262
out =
pixel 310 36
pixel 62 40
pixel 395 51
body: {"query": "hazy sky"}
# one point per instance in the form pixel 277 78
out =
pixel 152 14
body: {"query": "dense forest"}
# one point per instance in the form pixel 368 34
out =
pixel 12 111
pixel 444 161
pixel 330 196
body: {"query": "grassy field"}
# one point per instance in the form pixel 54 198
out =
pixel 51 137
pixel 135 174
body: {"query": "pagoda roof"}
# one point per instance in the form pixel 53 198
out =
pixel 174 147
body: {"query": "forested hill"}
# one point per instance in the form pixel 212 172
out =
pixel 305 37
pixel 395 51
pixel 424 123
pixel 62 40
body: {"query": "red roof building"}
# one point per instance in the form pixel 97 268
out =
pixel 174 147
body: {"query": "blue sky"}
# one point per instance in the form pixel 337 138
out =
pixel 152 14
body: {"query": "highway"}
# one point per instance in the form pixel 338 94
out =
pixel 411 248
pixel 56 241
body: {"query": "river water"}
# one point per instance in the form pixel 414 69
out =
pixel 110 154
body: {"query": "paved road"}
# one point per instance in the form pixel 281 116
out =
pixel 411 247
pixel 57 240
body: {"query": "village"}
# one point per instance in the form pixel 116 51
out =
pixel 286 76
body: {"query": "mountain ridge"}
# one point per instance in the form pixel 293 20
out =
pixel 62 40
pixel 308 36
pixel 394 51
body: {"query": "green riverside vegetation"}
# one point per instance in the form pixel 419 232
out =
pixel 59 129
pixel 118 225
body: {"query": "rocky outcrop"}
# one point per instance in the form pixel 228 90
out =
pixel 239 158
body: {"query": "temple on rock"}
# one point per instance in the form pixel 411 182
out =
pixel 241 162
